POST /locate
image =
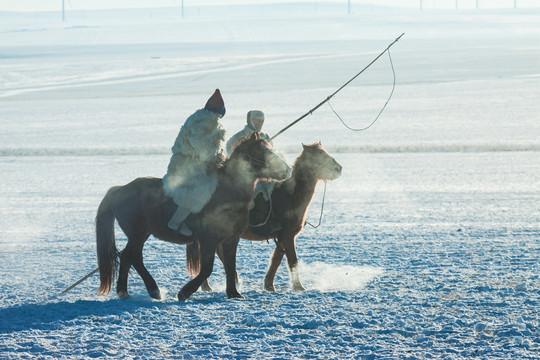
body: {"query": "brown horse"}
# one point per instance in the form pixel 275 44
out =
pixel 141 210
pixel 290 200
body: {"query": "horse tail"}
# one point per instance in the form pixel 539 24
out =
pixel 107 253
pixel 193 259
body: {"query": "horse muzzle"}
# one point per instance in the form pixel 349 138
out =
pixel 334 172
pixel 338 169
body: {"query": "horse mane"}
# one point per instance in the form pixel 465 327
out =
pixel 246 142
pixel 255 135
pixel 240 148
pixel 307 149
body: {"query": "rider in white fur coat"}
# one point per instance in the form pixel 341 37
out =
pixel 191 177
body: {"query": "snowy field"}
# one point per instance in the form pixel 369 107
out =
pixel 430 240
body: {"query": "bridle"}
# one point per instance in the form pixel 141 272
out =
pixel 316 169
pixel 254 161
pixel 324 163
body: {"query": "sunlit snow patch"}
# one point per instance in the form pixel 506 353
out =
pixel 335 277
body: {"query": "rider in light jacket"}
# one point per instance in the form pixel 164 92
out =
pixel 255 121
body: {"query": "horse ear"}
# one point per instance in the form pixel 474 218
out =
pixel 319 143
pixel 304 146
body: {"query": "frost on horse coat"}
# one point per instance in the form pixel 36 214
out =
pixel 191 177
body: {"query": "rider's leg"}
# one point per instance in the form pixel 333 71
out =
pixel 177 221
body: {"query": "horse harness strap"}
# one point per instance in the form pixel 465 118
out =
pixel 270 213
pixel 271 224
pixel 254 161
pixel 322 209
pixel 263 218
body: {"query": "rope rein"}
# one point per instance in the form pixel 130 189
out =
pixel 310 112
pixel 356 129
pixel 267 216
pixel 254 161
pixel 380 112
pixel 306 222
pixel 322 209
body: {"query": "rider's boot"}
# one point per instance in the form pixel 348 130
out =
pixel 178 223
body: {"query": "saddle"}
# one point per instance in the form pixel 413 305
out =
pixel 264 220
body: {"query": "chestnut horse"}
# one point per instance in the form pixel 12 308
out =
pixel 290 201
pixel 142 209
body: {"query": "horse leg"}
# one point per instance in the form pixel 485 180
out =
pixel 275 261
pixel 227 254
pixel 292 261
pixel 205 286
pixel 149 282
pixel 193 263
pixel 207 249
pixel 123 272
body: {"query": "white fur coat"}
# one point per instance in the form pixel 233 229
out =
pixel 191 179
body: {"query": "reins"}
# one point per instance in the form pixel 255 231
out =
pixel 306 222
pixel 267 216
pixel 254 161
pixel 322 209
pixel 324 197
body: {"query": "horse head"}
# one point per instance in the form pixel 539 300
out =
pixel 259 158
pixel 319 163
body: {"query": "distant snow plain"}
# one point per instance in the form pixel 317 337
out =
pixel 429 243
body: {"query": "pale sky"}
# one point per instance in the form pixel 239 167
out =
pixel 51 5
pixel 56 5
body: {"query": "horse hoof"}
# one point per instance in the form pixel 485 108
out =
pixel 206 288
pixel 123 294
pixel 270 288
pixel 235 296
pixel 299 287
pixel 155 294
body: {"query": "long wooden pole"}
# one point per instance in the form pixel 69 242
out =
pixel 81 280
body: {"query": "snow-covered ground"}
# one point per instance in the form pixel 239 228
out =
pixel 430 241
